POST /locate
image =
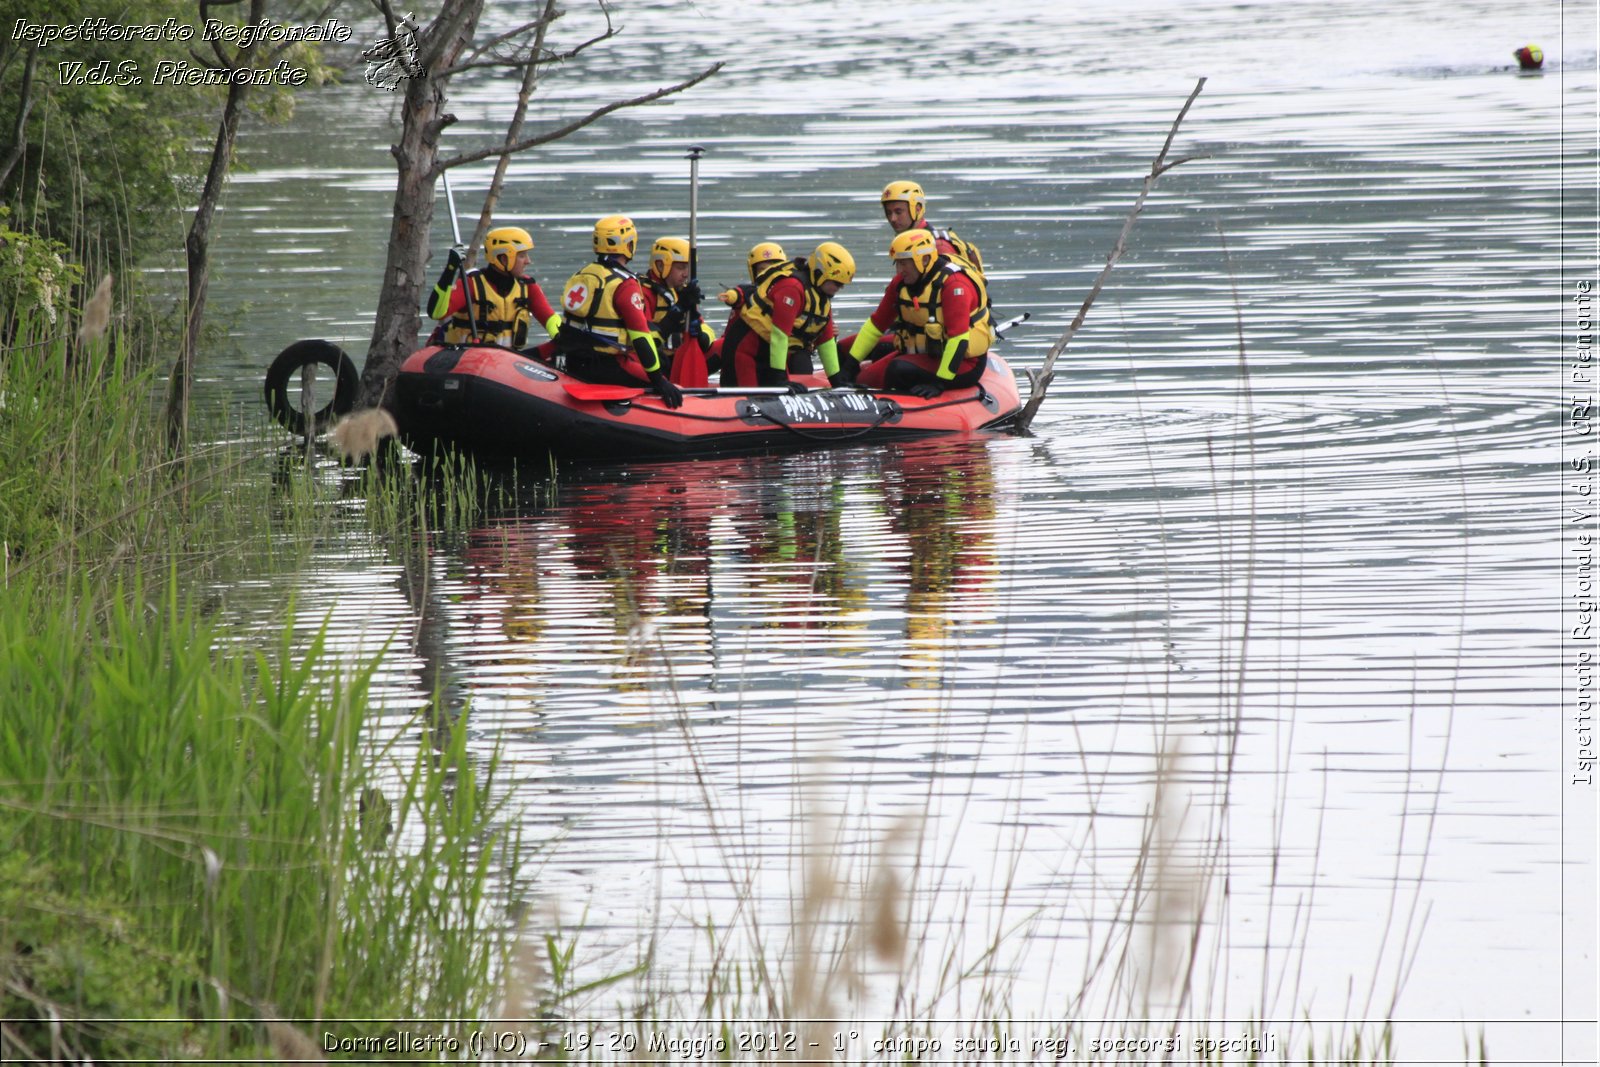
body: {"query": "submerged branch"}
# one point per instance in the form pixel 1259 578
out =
pixel 1042 377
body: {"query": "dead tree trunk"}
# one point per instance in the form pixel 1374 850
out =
pixel 423 119
pixel 197 243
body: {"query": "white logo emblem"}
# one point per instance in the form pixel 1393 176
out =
pixel 576 297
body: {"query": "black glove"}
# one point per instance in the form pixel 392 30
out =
pixel 452 266
pixel 691 295
pixel 842 379
pixel 670 394
pixel 926 390
pixel 797 387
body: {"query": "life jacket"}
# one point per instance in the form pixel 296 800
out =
pixel 501 319
pixel 670 316
pixel 815 313
pixel 920 327
pixel 965 254
pixel 588 303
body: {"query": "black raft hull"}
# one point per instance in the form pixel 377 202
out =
pixel 497 404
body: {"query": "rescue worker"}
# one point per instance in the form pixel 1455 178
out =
pixel 606 335
pixel 787 315
pixel 671 297
pixel 494 305
pixel 764 257
pixel 906 208
pixel 1529 57
pixel 938 313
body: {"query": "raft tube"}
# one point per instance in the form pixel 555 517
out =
pixel 495 403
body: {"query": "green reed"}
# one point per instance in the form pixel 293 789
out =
pixel 203 824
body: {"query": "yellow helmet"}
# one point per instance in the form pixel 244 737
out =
pixel 911 193
pixel 501 245
pixel 916 245
pixel 765 254
pixel 615 235
pixel 666 252
pixel 831 263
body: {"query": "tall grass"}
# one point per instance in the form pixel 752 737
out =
pixel 206 845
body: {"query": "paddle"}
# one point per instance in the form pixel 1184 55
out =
pixel 455 230
pixel 596 391
pixel 1000 331
pixel 689 362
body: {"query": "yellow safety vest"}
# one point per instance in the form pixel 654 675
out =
pixel 814 315
pixel 966 255
pixel 502 320
pixel 921 324
pixel 589 303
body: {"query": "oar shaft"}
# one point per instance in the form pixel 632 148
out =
pixel 455 231
pixel 449 198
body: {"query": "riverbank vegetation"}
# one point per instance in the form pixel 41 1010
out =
pixel 209 840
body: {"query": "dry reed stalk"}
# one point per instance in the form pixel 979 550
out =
pixel 96 313
pixel 291 1044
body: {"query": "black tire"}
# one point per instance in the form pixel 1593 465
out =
pixel 288 364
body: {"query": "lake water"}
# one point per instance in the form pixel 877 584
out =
pixel 1278 564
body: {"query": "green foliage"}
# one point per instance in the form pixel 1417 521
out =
pixel 225 831
pixel 72 955
pixel 36 278
pixel 112 167
pixel 79 436
pixel 105 165
pixel 219 801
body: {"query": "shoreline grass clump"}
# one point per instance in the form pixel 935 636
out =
pixel 201 829
pixel 213 837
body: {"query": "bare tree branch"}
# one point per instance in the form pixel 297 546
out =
pixel 1042 377
pixel 472 61
pixel 578 124
pixel 320 16
pixel 513 131
pixel 538 25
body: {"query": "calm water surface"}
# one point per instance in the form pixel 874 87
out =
pixel 1316 585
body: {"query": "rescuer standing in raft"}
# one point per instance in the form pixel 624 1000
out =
pixel 606 336
pixel 493 305
pixel 939 313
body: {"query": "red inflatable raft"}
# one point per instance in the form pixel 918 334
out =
pixel 495 403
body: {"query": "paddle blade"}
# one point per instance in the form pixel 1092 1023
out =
pixel 689 365
pixel 592 391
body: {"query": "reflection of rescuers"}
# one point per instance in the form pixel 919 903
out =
pixel 493 305
pixel 670 297
pixel 606 335
pixel 786 315
pixel 937 312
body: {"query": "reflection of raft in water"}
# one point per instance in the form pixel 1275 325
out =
pixel 493 402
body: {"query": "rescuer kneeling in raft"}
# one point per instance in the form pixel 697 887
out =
pixel 494 305
pixel 786 316
pixel 606 336
pixel 940 318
